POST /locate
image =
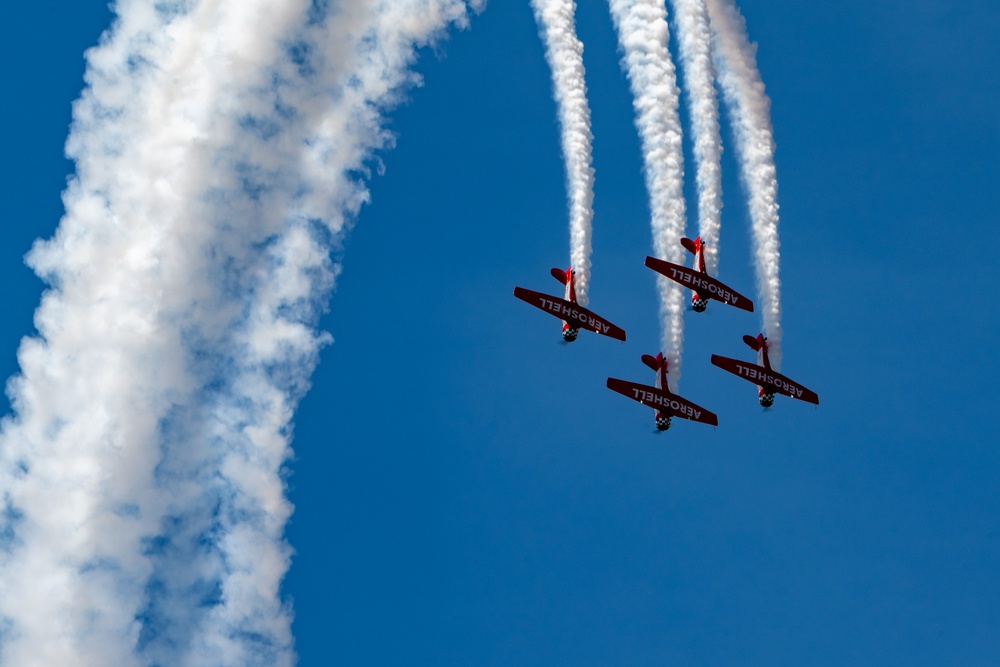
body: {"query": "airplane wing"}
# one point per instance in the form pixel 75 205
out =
pixel 575 314
pixel 663 401
pixel 765 378
pixel 704 284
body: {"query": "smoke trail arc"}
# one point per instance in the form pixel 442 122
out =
pixel 750 114
pixel 564 52
pixel 695 50
pixel 643 35
pixel 217 146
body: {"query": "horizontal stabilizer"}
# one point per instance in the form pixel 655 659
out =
pixel 559 275
pixel 690 246
pixel 651 361
pixel 754 343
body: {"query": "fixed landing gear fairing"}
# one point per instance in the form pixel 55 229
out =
pixel 703 286
pixel 660 398
pixel 768 381
pixel 573 315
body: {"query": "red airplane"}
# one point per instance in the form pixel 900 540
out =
pixel 703 286
pixel 573 315
pixel 768 381
pixel 660 398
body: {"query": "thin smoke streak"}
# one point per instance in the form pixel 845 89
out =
pixel 643 35
pixel 695 50
pixel 750 113
pixel 564 52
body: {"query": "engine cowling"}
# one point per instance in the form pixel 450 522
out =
pixel 569 334
pixel 662 422
pixel 698 304
pixel 766 399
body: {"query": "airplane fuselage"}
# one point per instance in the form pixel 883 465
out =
pixel 663 415
pixel 766 381
pixel 569 332
pixel 699 300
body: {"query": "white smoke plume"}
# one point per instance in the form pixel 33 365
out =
pixel 750 113
pixel 643 35
pixel 564 52
pixel 694 40
pixel 217 147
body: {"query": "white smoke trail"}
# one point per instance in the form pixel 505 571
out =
pixel 750 111
pixel 564 52
pixel 109 363
pixel 695 49
pixel 144 501
pixel 643 35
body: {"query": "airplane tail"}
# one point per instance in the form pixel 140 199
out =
pixel 566 278
pixel 691 246
pixel 754 343
pixel 759 345
pixel 651 361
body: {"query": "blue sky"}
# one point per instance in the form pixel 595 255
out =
pixel 467 491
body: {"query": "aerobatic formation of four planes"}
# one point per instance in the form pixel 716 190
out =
pixel 659 397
